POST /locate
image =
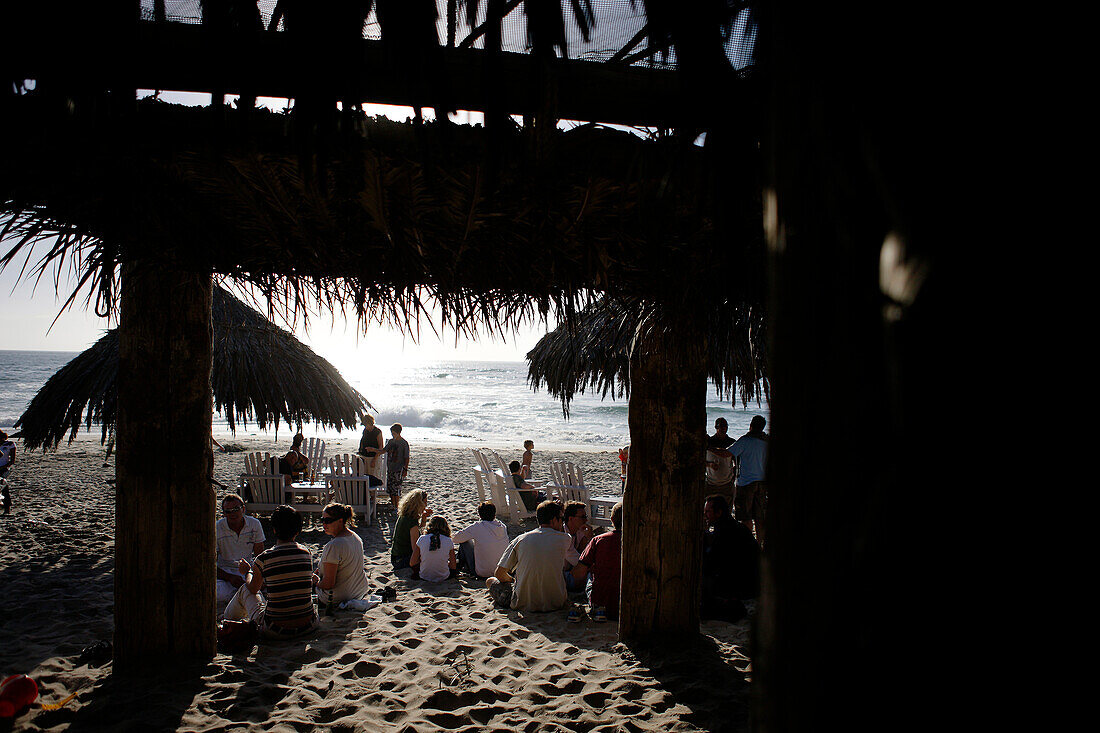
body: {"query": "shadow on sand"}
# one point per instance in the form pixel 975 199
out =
pixel 695 674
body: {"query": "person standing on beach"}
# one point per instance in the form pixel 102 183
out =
pixel 603 559
pixel 528 454
pixel 370 446
pixel 751 499
pixel 342 577
pixel 719 460
pixel 7 460
pixel 397 463
pixel 482 543
pixel 238 537
pixel 528 576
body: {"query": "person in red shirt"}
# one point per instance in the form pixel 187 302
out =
pixel 603 558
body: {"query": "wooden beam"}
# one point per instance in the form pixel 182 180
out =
pixel 164 504
pixel 662 504
pixel 191 58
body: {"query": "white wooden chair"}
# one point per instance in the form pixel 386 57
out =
pixel 315 452
pixel 517 510
pixel 347 484
pixel 381 472
pixel 481 476
pixel 262 482
pixel 569 485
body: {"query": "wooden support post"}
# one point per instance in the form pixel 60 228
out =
pixel 164 545
pixel 662 507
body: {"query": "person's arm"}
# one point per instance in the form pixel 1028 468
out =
pixel 328 576
pixel 254 577
pixel 580 572
pixel 503 575
pixel 452 562
pixel 461 535
pixel 415 558
pixel 257 548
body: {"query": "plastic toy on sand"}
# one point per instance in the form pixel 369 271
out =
pixel 16 693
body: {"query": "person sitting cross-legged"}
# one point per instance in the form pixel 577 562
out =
pixel 602 558
pixel 481 544
pixel 285 571
pixel 341 577
pixel 528 576
pixel 238 537
pixel 434 552
pixel 731 564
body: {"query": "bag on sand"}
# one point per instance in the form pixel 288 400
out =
pixel 236 635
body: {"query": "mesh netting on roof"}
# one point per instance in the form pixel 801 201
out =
pixel 617 23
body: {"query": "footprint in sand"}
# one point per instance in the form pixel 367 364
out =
pixel 366 669
pixel 596 699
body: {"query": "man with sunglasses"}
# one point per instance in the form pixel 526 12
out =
pixel 238 538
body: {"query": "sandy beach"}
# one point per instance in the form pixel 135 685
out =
pixel 439 658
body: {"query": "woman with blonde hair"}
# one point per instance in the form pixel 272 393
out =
pixel 434 552
pixel 341 576
pixel 412 512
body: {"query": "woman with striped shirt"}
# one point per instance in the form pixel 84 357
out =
pixel 286 571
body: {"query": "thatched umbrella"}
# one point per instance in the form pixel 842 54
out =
pixel 592 351
pixel 261 373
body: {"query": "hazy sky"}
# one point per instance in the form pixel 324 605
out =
pixel 26 314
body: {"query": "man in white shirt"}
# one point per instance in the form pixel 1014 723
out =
pixel 238 538
pixel 529 574
pixel 751 499
pixel 481 544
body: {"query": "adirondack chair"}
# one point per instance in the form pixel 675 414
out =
pixel 495 482
pixel 261 484
pixel 315 452
pixel 569 485
pixel 517 510
pixel 481 477
pixel 348 484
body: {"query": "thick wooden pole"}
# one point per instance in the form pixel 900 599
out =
pixel 164 545
pixel 662 507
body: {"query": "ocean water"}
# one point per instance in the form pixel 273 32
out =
pixel 460 403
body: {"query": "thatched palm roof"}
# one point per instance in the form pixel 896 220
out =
pixel 592 351
pixel 261 373
pixel 398 216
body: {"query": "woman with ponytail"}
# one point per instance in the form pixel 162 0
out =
pixel 341 576
pixel 435 552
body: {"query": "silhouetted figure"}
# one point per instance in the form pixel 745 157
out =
pixel 731 563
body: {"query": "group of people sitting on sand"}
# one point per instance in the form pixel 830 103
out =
pixel 534 572
pixel 285 571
